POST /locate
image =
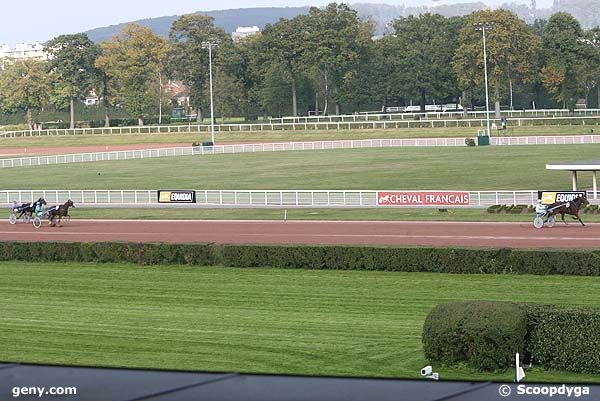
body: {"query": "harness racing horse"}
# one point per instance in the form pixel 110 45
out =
pixel 59 212
pixel 571 208
pixel 29 209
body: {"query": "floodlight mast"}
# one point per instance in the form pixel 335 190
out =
pixel 480 26
pixel 209 45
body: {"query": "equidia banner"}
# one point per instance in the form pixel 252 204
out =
pixel 550 197
pixel 176 196
pixel 423 198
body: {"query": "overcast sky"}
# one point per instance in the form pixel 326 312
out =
pixel 41 20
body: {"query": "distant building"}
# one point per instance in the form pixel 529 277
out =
pixel 24 51
pixel 179 93
pixel 244 31
pixel 91 99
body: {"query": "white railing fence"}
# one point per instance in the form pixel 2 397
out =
pixel 546 140
pixel 226 149
pixel 286 146
pixel 554 113
pixel 341 124
pixel 255 198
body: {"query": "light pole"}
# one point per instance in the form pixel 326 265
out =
pixel 209 46
pixel 482 27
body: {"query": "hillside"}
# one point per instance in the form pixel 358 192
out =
pixel 587 11
pixel 229 20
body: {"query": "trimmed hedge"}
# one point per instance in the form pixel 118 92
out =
pixel 437 260
pixel 484 335
pixel 526 209
pixel 564 338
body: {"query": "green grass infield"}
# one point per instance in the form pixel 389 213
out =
pixel 279 136
pixel 484 168
pixel 382 214
pixel 351 323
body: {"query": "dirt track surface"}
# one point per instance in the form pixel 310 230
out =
pixel 513 235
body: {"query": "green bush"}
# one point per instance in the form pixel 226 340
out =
pixel 438 260
pixel 483 335
pixel 564 338
pixel 486 335
pixel 511 209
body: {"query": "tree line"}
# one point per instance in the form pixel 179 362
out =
pixel 326 61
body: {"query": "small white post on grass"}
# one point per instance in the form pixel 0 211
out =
pixel 519 372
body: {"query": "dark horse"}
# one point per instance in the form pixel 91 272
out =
pixel 572 208
pixel 29 208
pixel 59 212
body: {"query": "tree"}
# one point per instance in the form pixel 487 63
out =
pixel 188 60
pixel 339 43
pixel 565 58
pixel 423 49
pixel 285 44
pixel 590 68
pixel 24 85
pixel 135 59
pixel 72 61
pixel 511 48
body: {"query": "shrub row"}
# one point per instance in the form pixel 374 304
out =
pixel 485 335
pixel 518 209
pixel 407 259
pixel 512 209
pixel 564 338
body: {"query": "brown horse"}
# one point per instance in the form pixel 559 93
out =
pixel 59 212
pixel 571 208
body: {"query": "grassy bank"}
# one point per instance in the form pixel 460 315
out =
pixel 400 214
pixel 278 136
pixel 486 168
pixel 249 320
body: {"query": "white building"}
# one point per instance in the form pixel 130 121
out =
pixel 24 51
pixel 244 31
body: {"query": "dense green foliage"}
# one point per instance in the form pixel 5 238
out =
pixel 435 260
pixel 564 338
pixel 484 335
pixel 327 61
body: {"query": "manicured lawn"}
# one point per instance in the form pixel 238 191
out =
pixel 278 136
pixel 482 168
pixel 249 320
pixel 401 214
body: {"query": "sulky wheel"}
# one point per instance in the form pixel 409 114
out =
pixel 12 219
pixel 27 218
pixel 551 221
pixel 538 222
pixel 37 223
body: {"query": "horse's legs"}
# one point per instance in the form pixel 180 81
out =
pixel 562 216
pixel 579 218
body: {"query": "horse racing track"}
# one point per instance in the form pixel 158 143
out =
pixel 469 234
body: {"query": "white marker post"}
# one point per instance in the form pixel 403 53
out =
pixel 519 372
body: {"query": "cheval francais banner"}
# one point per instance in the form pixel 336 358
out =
pixel 423 198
